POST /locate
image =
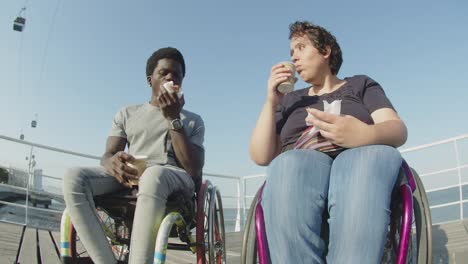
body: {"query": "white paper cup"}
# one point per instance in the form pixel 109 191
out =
pixel 288 85
pixel 139 163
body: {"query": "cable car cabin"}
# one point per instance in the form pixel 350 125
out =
pixel 19 23
pixel 34 123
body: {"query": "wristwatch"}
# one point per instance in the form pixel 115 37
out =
pixel 176 124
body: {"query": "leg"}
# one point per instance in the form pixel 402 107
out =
pixel 79 187
pixel 361 184
pixel 156 184
pixel 293 201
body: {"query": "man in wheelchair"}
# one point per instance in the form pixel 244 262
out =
pixel 329 147
pixel 171 138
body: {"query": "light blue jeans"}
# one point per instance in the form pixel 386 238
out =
pixel 356 190
pixel 80 185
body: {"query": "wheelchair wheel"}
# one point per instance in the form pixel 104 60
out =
pixel 423 221
pixel 72 252
pixel 211 234
pixel 390 254
pixel 420 243
pixel 249 245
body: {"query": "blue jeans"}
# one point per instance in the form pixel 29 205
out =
pixel 356 190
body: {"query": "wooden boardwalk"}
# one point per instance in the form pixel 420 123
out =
pixel 450 245
pixel 10 235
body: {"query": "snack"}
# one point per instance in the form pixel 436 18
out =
pixel 170 88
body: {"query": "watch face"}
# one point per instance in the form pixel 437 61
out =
pixel 176 124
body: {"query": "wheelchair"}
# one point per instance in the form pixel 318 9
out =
pixel 204 212
pixel 409 238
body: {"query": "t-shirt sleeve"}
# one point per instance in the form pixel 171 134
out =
pixel 118 125
pixel 374 97
pixel 198 133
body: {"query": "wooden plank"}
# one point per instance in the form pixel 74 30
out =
pixel 450 245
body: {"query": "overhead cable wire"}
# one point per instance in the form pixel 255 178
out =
pixel 46 49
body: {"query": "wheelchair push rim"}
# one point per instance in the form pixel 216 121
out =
pixel 210 233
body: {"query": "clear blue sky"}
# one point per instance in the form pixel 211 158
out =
pixel 76 72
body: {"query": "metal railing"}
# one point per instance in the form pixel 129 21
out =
pixel 447 151
pixel 443 182
pixel 22 194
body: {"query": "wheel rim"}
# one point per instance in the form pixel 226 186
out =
pixel 202 222
pixel 110 228
pixel 220 232
pixel 249 251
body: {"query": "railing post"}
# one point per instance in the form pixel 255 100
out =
pixel 237 228
pixel 460 189
pixel 27 187
pixel 244 191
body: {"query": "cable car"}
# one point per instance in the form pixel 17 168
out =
pixel 19 23
pixel 34 121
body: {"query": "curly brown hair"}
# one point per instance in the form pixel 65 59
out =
pixel 320 38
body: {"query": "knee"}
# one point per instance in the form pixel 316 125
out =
pixel 155 181
pixel 73 182
pixel 298 167
pixel 293 159
pixel 385 153
pixel 372 154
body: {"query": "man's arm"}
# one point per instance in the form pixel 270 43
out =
pixel 190 156
pixel 114 160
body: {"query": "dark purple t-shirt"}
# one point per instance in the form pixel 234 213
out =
pixel 360 97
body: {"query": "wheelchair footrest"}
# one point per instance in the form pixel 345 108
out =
pixel 176 246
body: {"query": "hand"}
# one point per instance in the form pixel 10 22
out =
pixel 118 168
pixel 170 103
pixel 345 131
pixel 278 74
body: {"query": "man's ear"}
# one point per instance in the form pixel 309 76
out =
pixel 327 52
pixel 148 78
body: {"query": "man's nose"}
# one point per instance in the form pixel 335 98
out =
pixel 294 58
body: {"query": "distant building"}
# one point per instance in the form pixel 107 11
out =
pixel 19 177
pixel 37 180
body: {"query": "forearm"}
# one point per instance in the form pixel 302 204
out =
pixel 187 154
pixel 264 142
pixel 391 132
pixel 106 158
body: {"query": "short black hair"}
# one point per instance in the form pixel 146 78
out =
pixel 320 38
pixel 164 53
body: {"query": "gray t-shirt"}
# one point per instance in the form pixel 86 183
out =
pixel 147 132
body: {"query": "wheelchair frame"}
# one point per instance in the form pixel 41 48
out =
pixel 207 217
pixel 400 239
